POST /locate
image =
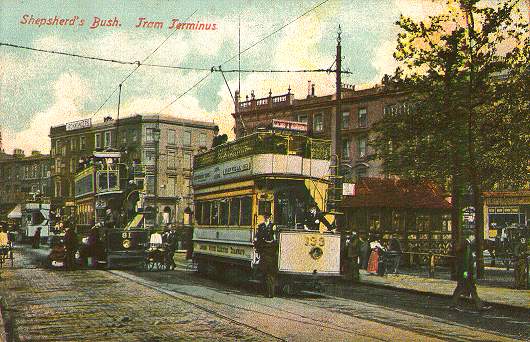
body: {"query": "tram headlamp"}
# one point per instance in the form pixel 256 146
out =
pixel 316 253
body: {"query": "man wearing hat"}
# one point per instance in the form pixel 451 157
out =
pixel 465 274
pixel 266 244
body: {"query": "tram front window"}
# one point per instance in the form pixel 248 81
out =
pixel 289 209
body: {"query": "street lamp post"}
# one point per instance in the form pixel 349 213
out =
pixel 156 138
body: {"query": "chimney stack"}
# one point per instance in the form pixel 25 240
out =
pixel 313 90
pixel 309 89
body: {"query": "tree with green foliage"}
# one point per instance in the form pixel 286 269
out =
pixel 466 122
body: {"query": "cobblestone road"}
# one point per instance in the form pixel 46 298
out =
pixel 92 305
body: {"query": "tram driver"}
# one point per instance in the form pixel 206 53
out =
pixel 266 246
pixel 313 219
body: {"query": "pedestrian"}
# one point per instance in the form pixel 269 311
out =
pixel 93 244
pixel 365 253
pixel 36 238
pixel 266 246
pixel 394 254
pixel 375 255
pixel 170 239
pixel 520 265
pixel 70 244
pixel 465 275
pixel 353 250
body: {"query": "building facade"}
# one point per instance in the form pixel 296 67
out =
pixel 164 145
pixel 23 178
pixel 360 109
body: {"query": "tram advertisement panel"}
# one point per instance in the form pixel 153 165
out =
pixel 305 252
pixel 225 250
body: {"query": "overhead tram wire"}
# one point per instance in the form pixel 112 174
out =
pixel 187 91
pixel 248 48
pixel 274 32
pixel 153 65
pixel 138 64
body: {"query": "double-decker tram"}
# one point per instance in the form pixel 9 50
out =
pixel 237 184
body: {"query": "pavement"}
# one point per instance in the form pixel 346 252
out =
pixel 490 295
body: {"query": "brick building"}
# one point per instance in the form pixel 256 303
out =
pixel 23 177
pixel 360 109
pixel 136 138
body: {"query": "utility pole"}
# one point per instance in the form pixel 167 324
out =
pixel 336 129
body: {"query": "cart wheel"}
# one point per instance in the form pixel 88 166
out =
pixel 159 265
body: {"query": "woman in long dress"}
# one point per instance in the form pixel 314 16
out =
pixel 373 261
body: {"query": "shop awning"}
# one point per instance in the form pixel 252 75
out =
pixel 16 213
pixel 136 222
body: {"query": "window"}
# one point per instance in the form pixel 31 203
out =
pixel 73 163
pixel 215 213
pixel 108 139
pixel 186 188
pixel 374 222
pixel 170 190
pixel 58 188
pixel 318 124
pixel 423 223
pixel 361 147
pixel 346 147
pixel 361 172
pixel 198 212
pixel 150 184
pixel 82 143
pixel 98 140
pixel 246 211
pixel 206 210
pixel 186 138
pixel 302 118
pixel 345 120
pixel 133 135
pixel 202 139
pixel 186 160
pixel 171 136
pixel 171 160
pixel 149 157
pixel 57 146
pixel 234 211
pixel 149 134
pixel 72 144
pixel 223 213
pixel 363 118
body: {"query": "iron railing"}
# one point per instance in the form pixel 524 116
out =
pixel 265 143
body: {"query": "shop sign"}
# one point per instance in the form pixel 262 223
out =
pixel 74 125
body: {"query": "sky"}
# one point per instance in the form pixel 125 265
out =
pixel 38 90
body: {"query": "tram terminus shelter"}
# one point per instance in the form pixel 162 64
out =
pixel 417 213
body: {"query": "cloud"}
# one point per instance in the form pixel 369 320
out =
pixel 70 94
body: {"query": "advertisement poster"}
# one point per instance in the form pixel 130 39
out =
pixel 133 205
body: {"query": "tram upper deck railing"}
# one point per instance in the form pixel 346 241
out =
pixel 268 142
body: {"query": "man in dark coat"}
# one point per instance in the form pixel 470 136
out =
pixel 352 251
pixel 36 238
pixel 266 246
pixel 465 275
pixel 170 239
pixel 313 219
pixel 70 244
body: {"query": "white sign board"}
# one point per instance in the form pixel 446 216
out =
pixel 348 189
pixel 290 125
pixel 72 126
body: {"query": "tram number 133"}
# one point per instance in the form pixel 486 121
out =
pixel 314 241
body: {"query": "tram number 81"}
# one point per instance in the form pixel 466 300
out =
pixel 314 241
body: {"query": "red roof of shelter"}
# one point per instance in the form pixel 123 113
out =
pixel 396 193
